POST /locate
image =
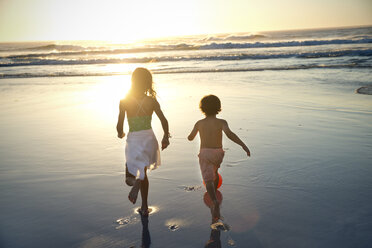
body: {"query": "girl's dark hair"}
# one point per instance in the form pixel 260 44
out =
pixel 210 105
pixel 142 82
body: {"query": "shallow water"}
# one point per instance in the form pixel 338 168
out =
pixel 307 183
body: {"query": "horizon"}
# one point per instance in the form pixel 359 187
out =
pixel 190 35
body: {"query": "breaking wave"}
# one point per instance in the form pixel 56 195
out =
pixel 230 45
pixel 42 60
pixel 71 50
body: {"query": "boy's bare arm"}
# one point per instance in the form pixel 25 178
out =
pixel 194 132
pixel 164 124
pixel 232 136
pixel 120 124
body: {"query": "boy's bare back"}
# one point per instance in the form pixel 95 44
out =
pixel 210 130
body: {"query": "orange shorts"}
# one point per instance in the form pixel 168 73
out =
pixel 210 160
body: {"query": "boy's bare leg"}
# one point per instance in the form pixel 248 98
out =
pixel 216 207
pixel 134 191
pixel 144 194
pixel 216 181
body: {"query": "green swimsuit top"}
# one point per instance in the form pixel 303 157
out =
pixel 138 123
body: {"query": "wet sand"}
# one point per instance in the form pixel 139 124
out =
pixel 307 183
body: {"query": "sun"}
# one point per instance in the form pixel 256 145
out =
pixel 111 20
pixel 102 98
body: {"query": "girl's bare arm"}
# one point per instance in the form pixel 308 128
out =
pixel 164 124
pixel 232 136
pixel 120 124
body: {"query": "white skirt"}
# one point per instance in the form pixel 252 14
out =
pixel 141 152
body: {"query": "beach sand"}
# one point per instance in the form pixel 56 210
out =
pixel 307 184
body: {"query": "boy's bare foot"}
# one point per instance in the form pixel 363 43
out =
pixel 134 191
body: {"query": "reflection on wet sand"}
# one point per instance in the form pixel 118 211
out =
pixel 217 226
pixel 209 203
pixel 133 219
pixel 214 239
pixel 146 238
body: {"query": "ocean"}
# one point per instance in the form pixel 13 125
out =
pixel 301 101
pixel 344 48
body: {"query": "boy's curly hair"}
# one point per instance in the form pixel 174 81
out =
pixel 210 105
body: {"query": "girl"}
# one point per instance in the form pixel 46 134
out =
pixel 142 150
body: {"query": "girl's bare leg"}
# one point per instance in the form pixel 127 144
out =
pixel 144 194
pixel 130 181
pixel 134 191
pixel 129 178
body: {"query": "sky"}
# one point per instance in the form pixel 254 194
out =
pixel 124 20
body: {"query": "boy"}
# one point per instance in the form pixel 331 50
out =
pixel 211 153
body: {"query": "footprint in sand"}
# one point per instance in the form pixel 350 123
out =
pixel 231 242
pixel 173 227
pixel 175 224
pixel 125 221
pixel 190 188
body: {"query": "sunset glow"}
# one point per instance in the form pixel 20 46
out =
pixel 125 21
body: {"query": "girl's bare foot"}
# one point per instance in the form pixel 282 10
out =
pixel 134 191
pixel 144 211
